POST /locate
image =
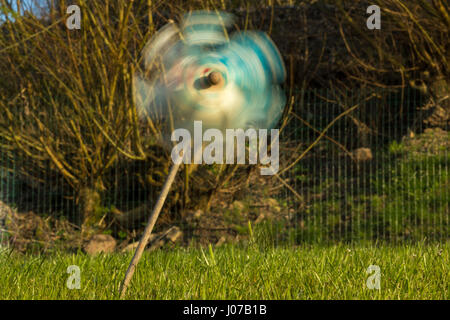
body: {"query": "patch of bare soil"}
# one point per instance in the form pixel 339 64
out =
pixel 230 212
pixel 432 141
pixel 29 232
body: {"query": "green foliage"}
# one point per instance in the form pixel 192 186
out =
pixel 401 195
pixel 418 194
pixel 396 148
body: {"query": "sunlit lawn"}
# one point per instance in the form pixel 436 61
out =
pixel 231 272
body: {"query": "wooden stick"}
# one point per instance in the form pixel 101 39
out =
pixel 148 229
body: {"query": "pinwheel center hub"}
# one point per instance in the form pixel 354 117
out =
pixel 209 81
pixel 214 78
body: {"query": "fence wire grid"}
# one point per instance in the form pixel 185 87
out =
pixel 372 176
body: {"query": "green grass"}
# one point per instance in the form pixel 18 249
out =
pixel 309 272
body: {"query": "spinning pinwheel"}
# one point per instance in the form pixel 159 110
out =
pixel 197 72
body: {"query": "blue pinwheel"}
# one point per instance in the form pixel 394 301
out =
pixel 198 72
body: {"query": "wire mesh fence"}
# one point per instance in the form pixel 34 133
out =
pixel 358 175
pixel 374 176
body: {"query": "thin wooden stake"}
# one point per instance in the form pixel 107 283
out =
pixel 148 230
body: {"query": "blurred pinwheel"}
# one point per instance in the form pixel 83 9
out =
pixel 196 71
